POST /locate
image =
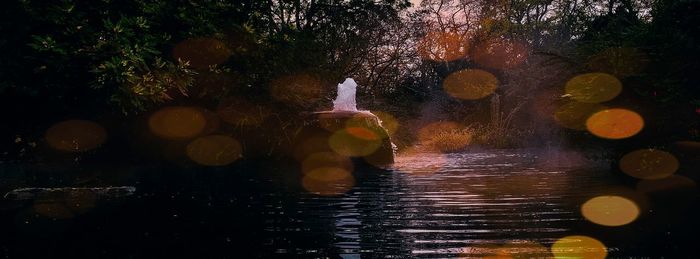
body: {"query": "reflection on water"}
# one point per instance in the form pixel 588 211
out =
pixel 468 205
pixel 497 204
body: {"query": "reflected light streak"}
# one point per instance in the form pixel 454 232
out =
pixel 416 161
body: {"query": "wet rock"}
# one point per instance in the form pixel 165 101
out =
pixel 356 134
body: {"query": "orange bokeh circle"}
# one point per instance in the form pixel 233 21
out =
pixel 615 123
pixel 75 135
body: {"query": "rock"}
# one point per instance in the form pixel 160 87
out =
pixel 356 134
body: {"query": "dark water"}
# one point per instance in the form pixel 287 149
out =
pixel 436 205
pixel 427 206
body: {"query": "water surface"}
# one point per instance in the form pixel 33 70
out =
pixel 428 205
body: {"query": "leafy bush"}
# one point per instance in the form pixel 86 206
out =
pixel 453 140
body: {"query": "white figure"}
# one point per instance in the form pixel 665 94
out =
pixel 346 96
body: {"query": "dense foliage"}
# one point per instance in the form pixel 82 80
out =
pixel 89 58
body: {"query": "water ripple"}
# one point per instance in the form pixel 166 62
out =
pixel 475 199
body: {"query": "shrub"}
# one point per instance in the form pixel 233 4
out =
pixel 454 140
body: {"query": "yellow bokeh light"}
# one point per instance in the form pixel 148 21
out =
pixel 177 122
pixel 442 46
pixel 75 135
pixel 214 150
pixel 516 249
pixel 523 249
pixel 365 126
pixel 470 84
pixel 301 90
pixel 610 210
pixel 649 164
pixel 326 159
pixel 593 87
pixel 615 123
pixel 240 112
pixel 499 53
pixel 328 181
pixel 579 247
pixel 573 115
pixel 354 142
pixel 388 122
pixel 202 52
